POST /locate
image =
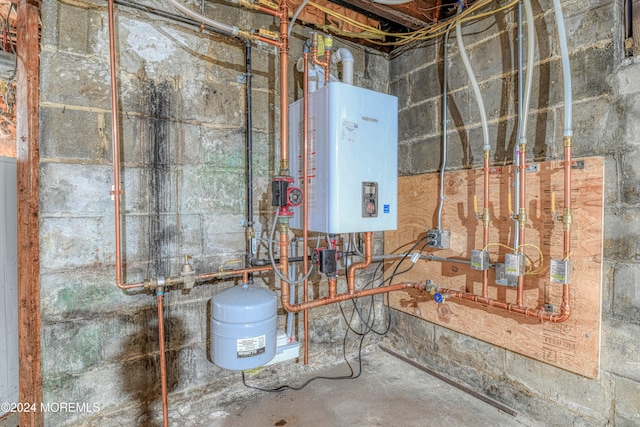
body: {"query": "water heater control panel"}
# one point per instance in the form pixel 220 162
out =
pixel 369 199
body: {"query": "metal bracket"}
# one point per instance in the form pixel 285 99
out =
pixel 548 308
pixel 533 167
pixel 242 78
pixel 577 164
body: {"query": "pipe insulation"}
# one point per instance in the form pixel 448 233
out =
pixel 230 30
pixel 445 107
pixel 345 56
pixel 476 88
pixel 566 70
pixel 531 44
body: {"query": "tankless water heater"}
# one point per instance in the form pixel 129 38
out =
pixel 352 159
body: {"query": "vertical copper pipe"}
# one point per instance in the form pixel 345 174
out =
pixel 368 256
pixel 485 221
pixel 522 215
pixel 305 205
pixel 333 287
pixel 284 88
pixel 115 142
pixel 567 196
pixel 163 361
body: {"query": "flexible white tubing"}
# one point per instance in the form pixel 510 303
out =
pixel 229 30
pixel 345 56
pixel 566 70
pixel 531 43
pixel 476 88
pixel 295 16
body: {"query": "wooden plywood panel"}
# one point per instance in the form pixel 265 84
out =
pixel 573 345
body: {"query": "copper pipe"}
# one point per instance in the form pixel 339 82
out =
pixel 283 15
pixel 567 216
pixel 305 205
pixel 115 141
pixel 541 314
pixel 522 215
pixel 368 256
pixel 326 64
pixel 267 40
pixel 333 287
pixel 268 11
pixel 163 361
pixel 228 273
pixel 295 308
pixel 485 219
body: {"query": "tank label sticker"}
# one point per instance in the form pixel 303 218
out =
pixel 250 347
pixel 349 131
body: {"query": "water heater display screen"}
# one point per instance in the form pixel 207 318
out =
pixel 369 199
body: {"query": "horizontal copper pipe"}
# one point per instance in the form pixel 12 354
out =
pixel 368 255
pixel 565 309
pixel 229 273
pixel 295 308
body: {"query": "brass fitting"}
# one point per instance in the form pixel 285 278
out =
pixel 522 217
pixel 486 154
pixel 567 141
pixel 567 219
pixel 249 4
pixel 247 35
pixel 486 217
pixel 284 167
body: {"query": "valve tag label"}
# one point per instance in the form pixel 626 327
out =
pixel 250 347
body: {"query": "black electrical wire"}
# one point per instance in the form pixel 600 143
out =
pixel 368 327
pixel 351 376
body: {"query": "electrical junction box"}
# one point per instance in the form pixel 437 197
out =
pixel 560 271
pixel 479 260
pixel 514 265
pixel 352 159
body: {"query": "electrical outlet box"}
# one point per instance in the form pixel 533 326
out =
pixel 439 239
pixel 479 260
pixel 504 279
pixel 560 271
pixel 514 265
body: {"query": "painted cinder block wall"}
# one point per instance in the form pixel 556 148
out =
pixel 183 137
pixel 606 110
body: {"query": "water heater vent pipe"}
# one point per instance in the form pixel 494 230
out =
pixel 345 56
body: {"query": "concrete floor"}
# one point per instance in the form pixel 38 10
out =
pixel 390 392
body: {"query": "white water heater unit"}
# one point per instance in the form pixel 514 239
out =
pixel 352 159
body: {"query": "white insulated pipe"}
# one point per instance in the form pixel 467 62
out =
pixel 531 43
pixel 476 88
pixel 566 70
pixel 230 30
pixel 345 56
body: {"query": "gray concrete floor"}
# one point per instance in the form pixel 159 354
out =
pixel 390 392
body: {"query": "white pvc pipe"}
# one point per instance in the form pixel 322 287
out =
pixel 345 56
pixel 566 70
pixel 476 89
pixel 229 30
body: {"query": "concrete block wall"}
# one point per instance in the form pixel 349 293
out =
pixel 606 102
pixel 182 131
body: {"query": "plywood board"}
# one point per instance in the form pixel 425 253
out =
pixel 573 345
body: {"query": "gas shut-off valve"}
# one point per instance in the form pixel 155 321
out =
pixel 433 289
